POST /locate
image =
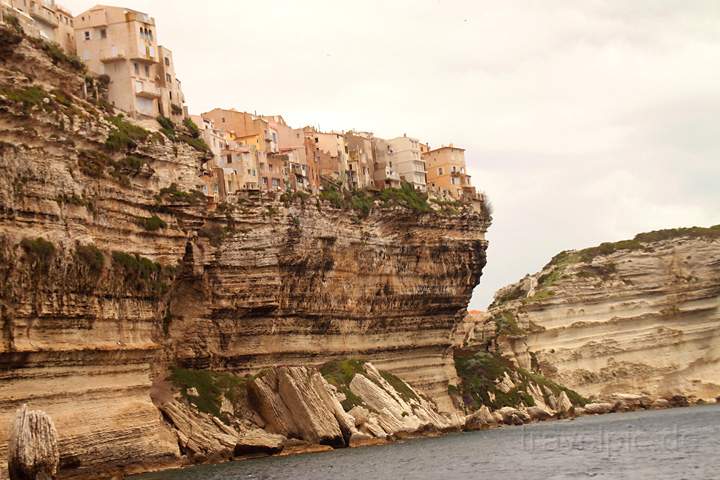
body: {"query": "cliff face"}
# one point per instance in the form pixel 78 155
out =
pixel 639 316
pixel 112 270
pixel 305 284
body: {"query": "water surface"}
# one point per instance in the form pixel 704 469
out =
pixel 655 445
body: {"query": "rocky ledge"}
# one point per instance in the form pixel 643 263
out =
pixel 346 403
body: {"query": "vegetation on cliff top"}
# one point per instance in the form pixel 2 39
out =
pixel 363 202
pixel 480 373
pixel 639 242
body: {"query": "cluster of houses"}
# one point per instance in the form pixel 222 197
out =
pixel 249 151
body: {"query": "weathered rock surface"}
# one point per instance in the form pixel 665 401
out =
pixel 206 438
pixel 640 316
pixel 295 402
pixel 33 447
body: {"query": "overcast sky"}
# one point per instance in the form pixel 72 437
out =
pixel 584 121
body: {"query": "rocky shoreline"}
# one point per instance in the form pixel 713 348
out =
pixel 483 419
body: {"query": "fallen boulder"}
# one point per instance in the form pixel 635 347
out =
pixel 480 419
pixel 33 446
pixel 599 408
pixel 660 403
pixel 539 414
pixel 564 406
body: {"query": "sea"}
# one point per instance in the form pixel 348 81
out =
pixel 675 444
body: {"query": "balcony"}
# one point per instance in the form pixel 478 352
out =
pixel 112 55
pixel 148 55
pixel 146 90
pixel 133 16
pixel 390 175
pixel 45 15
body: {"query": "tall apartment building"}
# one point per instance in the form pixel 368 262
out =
pixel 408 162
pixel 291 148
pixel 331 154
pixel 172 100
pixel 384 174
pixel 122 44
pixel 51 21
pixel 446 173
pixel 360 160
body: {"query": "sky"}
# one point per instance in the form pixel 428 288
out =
pixel 584 121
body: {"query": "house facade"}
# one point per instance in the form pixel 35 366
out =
pixel 408 162
pixel 447 173
pixel 361 163
pixel 384 174
pixel 122 44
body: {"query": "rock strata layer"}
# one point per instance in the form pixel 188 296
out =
pixel 640 316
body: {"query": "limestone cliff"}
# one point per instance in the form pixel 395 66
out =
pixel 638 316
pixel 113 270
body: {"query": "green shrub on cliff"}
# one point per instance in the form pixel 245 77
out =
pixel 332 195
pixel 167 127
pixel 124 135
pixel 29 97
pixel 192 128
pixel 39 251
pixel 340 373
pixel 173 193
pixel 152 224
pixel 196 143
pixel 56 54
pixel 210 386
pixel 639 242
pixel 406 196
pixel 14 23
pixel 92 257
pixel 401 387
pixel 142 273
pixel 481 371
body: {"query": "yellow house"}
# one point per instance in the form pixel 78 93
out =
pixel 446 172
pixel 245 128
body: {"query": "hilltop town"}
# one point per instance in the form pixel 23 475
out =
pixel 244 152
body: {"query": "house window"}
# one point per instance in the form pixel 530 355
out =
pixel 87 36
pixel 167 61
pixel 168 78
pixel 103 33
pixel 229 158
pixel 147 70
pixel 137 68
pixel 440 171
